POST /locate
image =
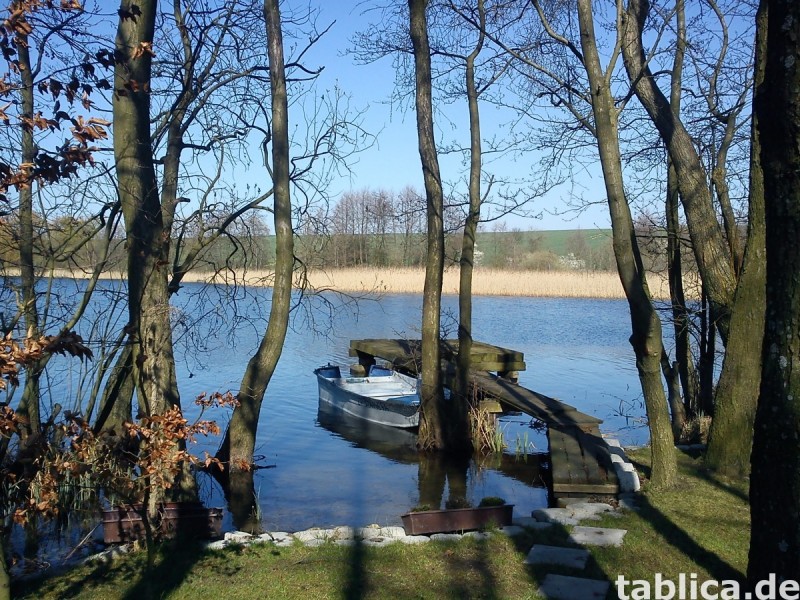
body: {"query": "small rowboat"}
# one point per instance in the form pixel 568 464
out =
pixel 384 396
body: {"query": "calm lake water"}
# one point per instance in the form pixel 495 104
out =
pixel 326 471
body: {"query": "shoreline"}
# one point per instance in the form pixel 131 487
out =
pixel 486 282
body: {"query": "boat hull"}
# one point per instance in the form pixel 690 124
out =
pixel 388 400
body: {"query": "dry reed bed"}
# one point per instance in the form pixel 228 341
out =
pixel 486 282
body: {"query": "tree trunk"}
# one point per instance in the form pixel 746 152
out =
pixel 117 400
pixel 731 435
pixel 432 413
pixel 645 323
pixel 467 262
pixel 680 314
pixel 676 407
pixel 149 325
pixel 775 478
pixel 148 239
pixel 708 351
pixel 239 443
pixel 711 249
pixel 29 402
pixel 5 576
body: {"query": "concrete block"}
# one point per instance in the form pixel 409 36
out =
pixel 628 480
pixel 531 523
pixel 477 535
pixel 511 530
pixel 562 516
pixel 597 536
pixel 314 542
pixel 238 537
pixel 414 539
pixel 392 532
pixel 574 558
pixel 562 587
pixel 446 537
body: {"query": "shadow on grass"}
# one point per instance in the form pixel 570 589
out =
pixel 356 582
pixel 486 586
pixel 728 488
pixel 173 566
pixel 674 535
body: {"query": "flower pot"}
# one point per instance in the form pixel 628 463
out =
pixel 178 519
pixel 456 519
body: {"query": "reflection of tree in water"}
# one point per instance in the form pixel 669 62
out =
pixel 240 493
pixel 436 470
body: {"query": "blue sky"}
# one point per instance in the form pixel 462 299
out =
pixel 393 162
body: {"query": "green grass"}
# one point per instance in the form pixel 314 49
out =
pixel 700 527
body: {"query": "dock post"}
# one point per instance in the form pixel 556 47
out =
pixel 365 360
pixel 512 376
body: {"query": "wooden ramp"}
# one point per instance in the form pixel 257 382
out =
pixel 580 462
pixel 543 408
pixel 580 459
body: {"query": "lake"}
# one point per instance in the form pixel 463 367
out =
pixel 327 471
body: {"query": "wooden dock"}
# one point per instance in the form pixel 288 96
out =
pixel 580 459
pixel 405 354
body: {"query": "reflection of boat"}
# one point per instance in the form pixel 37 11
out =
pixel 397 445
pixel 384 396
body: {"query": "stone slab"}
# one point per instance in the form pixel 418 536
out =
pixel 628 501
pixel 531 523
pixel 238 537
pixel 314 542
pixel 511 530
pixel 574 558
pixel 379 541
pixel 562 587
pixel 477 535
pixel 314 534
pixel 597 536
pixel 446 537
pixel 562 516
pixel 392 532
pixel 414 539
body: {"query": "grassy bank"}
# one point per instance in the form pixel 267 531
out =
pixel 700 527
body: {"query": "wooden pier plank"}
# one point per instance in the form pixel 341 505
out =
pixel 578 462
pixel 406 353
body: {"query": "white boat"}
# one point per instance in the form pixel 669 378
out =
pixel 384 396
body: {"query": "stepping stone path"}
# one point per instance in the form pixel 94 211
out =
pixel 562 587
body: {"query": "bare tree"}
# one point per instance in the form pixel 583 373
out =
pixel 716 253
pixel 238 446
pixel 432 410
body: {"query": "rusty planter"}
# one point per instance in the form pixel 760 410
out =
pixel 457 519
pixel 178 519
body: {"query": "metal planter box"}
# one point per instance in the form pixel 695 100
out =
pixel 178 519
pixel 457 519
